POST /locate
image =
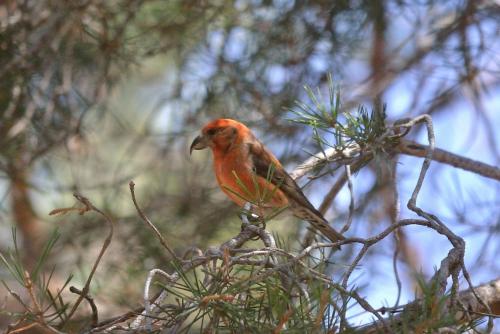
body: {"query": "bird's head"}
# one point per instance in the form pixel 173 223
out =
pixel 219 135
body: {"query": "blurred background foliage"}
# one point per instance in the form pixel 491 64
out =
pixel 96 93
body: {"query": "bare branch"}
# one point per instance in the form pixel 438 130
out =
pixel 418 150
pixel 406 147
pixel 351 200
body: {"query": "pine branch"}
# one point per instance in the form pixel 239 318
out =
pixel 404 147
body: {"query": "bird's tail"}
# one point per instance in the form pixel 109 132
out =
pixel 328 231
pixel 318 222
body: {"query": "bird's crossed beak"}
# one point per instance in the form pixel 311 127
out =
pixel 199 143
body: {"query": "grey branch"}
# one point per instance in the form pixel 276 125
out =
pixel 328 155
pixel 405 147
pixel 418 150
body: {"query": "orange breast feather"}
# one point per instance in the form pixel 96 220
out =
pixel 237 179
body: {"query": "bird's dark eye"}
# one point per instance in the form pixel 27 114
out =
pixel 211 132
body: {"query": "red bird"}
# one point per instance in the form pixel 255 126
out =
pixel 247 171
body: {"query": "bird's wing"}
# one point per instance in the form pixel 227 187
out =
pixel 267 166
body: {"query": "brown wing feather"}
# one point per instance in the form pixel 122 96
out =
pixel 265 164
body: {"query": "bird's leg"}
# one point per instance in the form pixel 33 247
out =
pixel 261 216
pixel 247 217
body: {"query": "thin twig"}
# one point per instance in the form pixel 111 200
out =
pixel 451 265
pixel 351 200
pixel 397 233
pixel 90 300
pixel 150 224
pixel 147 285
pixel 107 241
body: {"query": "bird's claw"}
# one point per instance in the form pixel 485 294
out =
pixel 248 217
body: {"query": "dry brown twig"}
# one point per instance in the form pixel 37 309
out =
pixel 39 311
pixel 149 223
pixel 88 206
pixel 90 300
